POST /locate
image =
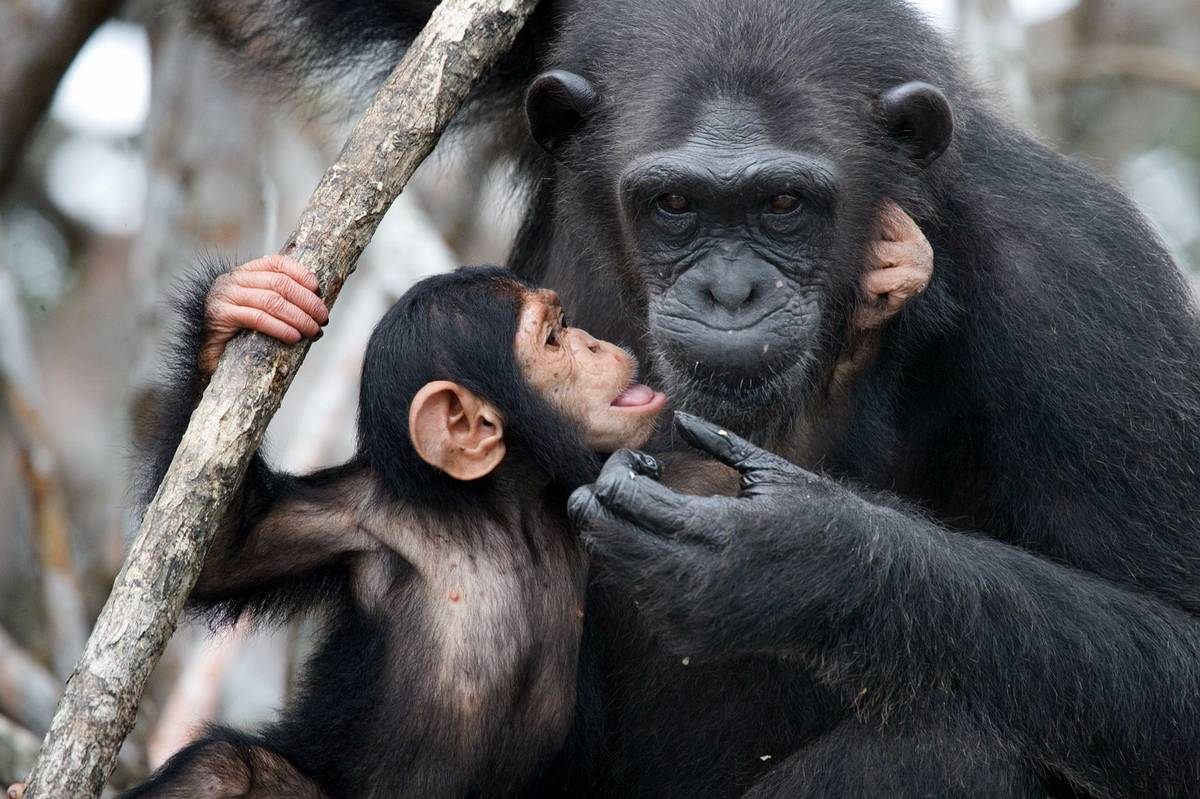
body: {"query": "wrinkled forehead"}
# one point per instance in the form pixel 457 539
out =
pixel 546 298
pixel 539 307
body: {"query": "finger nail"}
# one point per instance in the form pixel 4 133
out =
pixel 318 335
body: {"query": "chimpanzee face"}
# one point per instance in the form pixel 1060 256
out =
pixel 492 368
pixel 741 235
pixel 590 382
pixel 728 233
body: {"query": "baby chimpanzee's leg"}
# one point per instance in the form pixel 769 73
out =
pixel 227 765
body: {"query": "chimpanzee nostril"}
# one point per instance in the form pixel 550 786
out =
pixel 731 290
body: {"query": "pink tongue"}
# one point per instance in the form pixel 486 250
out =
pixel 637 394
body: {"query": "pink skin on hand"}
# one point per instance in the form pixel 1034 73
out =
pixel 899 267
pixel 274 295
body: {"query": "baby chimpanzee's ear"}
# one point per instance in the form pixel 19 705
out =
pixel 456 431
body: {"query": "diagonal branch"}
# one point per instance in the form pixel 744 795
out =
pixel 462 41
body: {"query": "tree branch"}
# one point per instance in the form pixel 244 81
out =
pixel 41 38
pixel 1128 62
pixel 462 41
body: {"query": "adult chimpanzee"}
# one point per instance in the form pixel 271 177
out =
pixel 1027 591
pixel 441 550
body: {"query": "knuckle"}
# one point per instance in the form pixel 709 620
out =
pixel 220 287
pixel 275 304
pixel 259 318
pixel 279 282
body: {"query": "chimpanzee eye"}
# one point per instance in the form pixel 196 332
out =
pixel 552 339
pixel 782 203
pixel 673 203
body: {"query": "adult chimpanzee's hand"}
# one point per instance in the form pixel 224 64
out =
pixel 714 572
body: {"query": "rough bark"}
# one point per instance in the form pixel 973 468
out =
pixel 462 41
pixel 41 38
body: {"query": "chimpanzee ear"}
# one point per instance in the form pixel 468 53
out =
pixel 557 104
pixel 454 430
pixel 919 117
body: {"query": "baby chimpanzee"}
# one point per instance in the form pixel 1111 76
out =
pixel 442 550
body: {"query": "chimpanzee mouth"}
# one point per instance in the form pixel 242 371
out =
pixel 719 397
pixel 636 396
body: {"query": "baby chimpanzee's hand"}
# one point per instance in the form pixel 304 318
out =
pixel 274 295
pixel 899 266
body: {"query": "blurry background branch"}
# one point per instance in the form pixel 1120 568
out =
pixel 1129 62
pixel 28 692
pixel 18 748
pixel 21 394
pixel 41 38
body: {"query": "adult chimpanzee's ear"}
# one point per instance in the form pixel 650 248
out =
pixel 919 116
pixel 557 104
pixel 456 431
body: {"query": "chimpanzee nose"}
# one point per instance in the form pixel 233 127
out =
pixel 731 289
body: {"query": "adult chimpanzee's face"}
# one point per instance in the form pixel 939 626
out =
pixel 741 236
pixel 727 232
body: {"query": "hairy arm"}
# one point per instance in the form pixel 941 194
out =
pixel 1095 681
pixel 284 541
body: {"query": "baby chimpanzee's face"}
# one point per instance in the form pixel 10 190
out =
pixel 587 380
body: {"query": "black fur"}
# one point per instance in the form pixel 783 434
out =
pixel 430 679
pixel 442 329
pixel 1043 397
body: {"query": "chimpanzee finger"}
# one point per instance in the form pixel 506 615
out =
pixel 633 462
pixel 895 224
pixel 756 464
pixel 731 449
pixel 287 287
pixel 620 543
pixel 274 305
pixel 16 790
pixel 284 265
pixel 646 463
pixel 902 281
pixel 256 319
pixel 629 493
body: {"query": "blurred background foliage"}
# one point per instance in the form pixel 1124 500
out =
pixel 151 155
